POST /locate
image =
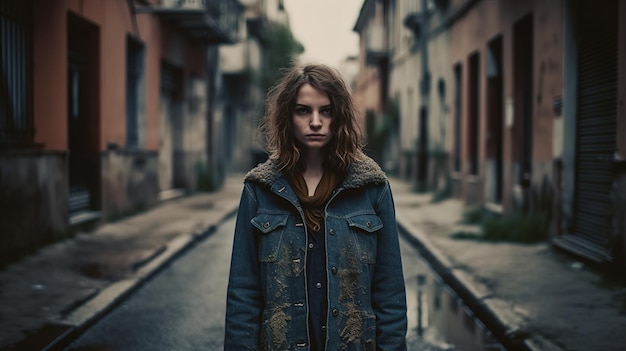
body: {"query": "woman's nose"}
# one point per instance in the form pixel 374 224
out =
pixel 316 121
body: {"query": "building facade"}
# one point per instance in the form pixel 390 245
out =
pixel 516 106
pixel 104 109
pixel 369 87
pixel 242 73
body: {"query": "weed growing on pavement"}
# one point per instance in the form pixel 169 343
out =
pixel 474 215
pixel 516 227
pixel 464 235
pixel 513 227
pixel 205 181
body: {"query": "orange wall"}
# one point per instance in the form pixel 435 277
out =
pixel 490 18
pixel 114 20
pixel 50 74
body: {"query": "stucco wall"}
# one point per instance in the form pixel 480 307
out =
pixel 129 182
pixel 33 201
pixel 470 34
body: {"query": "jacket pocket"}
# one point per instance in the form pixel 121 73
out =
pixel 365 227
pixel 271 227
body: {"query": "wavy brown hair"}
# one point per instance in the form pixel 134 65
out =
pixel 277 126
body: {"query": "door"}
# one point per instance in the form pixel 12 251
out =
pixel 494 147
pixel 166 152
pixel 523 52
pixel 171 123
pixel 82 120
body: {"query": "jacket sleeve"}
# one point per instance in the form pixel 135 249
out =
pixel 388 289
pixel 244 301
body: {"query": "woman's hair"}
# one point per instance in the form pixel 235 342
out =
pixel 277 125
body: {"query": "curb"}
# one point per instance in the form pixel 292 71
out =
pixel 496 314
pixel 79 319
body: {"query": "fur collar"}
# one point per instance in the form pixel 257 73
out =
pixel 362 172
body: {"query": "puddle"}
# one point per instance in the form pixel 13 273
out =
pixel 444 320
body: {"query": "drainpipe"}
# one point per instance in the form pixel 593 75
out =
pixel 422 140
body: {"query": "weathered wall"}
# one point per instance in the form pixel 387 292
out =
pixel 469 35
pixel 33 201
pixel 129 181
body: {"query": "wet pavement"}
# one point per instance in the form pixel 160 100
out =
pixel 530 297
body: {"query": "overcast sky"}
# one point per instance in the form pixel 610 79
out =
pixel 324 27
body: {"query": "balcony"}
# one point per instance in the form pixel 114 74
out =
pixel 208 21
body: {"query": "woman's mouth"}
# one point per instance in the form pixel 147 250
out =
pixel 316 136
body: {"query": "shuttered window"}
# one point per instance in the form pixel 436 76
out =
pixel 16 107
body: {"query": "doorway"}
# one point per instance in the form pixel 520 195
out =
pixel 171 155
pixel 495 106
pixel 522 91
pixel 83 119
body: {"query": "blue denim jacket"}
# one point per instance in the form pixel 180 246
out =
pixel 267 295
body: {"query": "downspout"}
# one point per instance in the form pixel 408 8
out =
pixel 422 141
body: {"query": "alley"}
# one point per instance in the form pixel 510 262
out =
pixel 127 128
pixel 183 307
pixel 48 290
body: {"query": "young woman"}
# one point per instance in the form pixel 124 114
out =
pixel 316 261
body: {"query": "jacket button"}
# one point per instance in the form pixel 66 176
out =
pixel 334 270
pixel 335 312
pixel 332 232
pixel 266 225
pixel 369 224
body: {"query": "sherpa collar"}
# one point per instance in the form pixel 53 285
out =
pixel 361 172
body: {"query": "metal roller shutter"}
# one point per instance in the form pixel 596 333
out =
pixel 596 124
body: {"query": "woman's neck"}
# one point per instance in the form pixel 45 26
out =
pixel 313 162
pixel 313 170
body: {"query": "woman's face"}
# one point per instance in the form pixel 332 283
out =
pixel 312 117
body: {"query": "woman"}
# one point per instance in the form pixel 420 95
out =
pixel 316 261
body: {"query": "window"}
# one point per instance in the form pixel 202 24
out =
pixel 16 111
pixel 473 118
pixel 458 93
pixel 135 93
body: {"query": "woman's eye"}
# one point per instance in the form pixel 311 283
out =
pixel 326 112
pixel 302 110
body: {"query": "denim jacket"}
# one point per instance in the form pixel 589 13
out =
pixel 267 294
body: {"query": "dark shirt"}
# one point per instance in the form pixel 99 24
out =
pixel 317 289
